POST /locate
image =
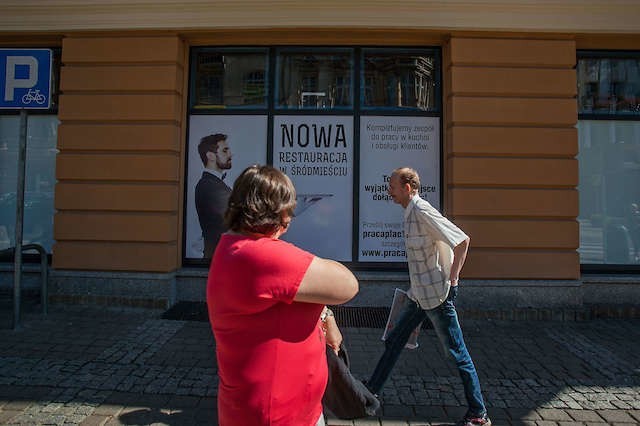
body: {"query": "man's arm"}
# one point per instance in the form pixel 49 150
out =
pixel 459 256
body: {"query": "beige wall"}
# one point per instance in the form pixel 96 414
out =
pixel 118 196
pixel 509 142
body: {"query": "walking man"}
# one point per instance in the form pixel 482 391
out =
pixel 436 251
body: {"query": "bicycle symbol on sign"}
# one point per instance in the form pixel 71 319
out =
pixel 33 95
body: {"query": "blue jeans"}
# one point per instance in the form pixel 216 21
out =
pixel 445 323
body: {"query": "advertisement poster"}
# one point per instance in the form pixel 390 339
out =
pixel 385 144
pixel 240 141
pixel 316 152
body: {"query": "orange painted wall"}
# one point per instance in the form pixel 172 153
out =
pixel 511 174
pixel 509 141
pixel 120 163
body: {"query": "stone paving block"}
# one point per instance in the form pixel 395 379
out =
pixel 635 414
pixel 17 405
pixel 616 416
pixel 553 414
pixel 584 416
pixel 180 401
pixel 95 420
pixel 7 415
pixel 546 423
pixel 520 414
pixel 430 413
pixel 209 413
pixel 397 411
pixel 498 414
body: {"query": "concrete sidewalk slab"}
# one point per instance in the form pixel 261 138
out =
pixel 116 366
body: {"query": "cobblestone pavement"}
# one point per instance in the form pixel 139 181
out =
pixel 106 366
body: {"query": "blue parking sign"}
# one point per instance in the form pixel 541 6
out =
pixel 25 78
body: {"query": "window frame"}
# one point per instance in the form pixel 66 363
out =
pixel 617 268
pixel 605 54
pixel 355 110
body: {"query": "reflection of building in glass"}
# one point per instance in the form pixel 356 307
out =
pixel 401 81
pixel 608 85
pixel 253 87
pixel 315 81
pixel 230 79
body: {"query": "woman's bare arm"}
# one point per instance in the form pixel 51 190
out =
pixel 327 282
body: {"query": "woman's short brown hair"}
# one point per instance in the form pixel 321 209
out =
pixel 260 196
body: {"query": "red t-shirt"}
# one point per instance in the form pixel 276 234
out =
pixel 270 350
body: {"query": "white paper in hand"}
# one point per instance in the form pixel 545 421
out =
pixel 400 300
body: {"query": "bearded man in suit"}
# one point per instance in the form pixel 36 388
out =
pixel 212 193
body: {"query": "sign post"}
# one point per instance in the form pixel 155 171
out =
pixel 25 83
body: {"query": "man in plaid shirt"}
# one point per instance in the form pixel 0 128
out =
pixel 436 250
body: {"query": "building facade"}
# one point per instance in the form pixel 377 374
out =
pixel 522 117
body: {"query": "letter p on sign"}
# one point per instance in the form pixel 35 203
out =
pixel 13 82
pixel 25 78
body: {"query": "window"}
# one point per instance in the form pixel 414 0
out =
pixel 314 80
pixel 229 79
pixel 42 131
pixel 334 120
pixel 399 80
pixel 609 86
pixel 609 157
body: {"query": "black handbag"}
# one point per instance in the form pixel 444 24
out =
pixel 345 396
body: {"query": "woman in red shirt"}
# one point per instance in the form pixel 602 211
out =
pixel 265 297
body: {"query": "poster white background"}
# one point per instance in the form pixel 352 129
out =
pixel 385 144
pixel 316 152
pixel 247 139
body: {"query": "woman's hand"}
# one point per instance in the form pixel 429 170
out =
pixel 333 336
pixel 332 332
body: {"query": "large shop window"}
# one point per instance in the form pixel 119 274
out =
pixel 609 157
pixel 336 120
pixel 42 131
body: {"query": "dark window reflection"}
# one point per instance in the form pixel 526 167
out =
pixel 399 81
pixel 42 132
pixel 609 159
pixel 227 80
pixel 315 80
pixel 609 86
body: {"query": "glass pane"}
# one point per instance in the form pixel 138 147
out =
pixel 609 158
pixel 230 80
pixel 314 80
pixel 399 81
pixel 609 86
pixel 42 133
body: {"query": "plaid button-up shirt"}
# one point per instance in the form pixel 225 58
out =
pixel 429 240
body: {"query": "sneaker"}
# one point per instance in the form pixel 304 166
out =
pixel 475 421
